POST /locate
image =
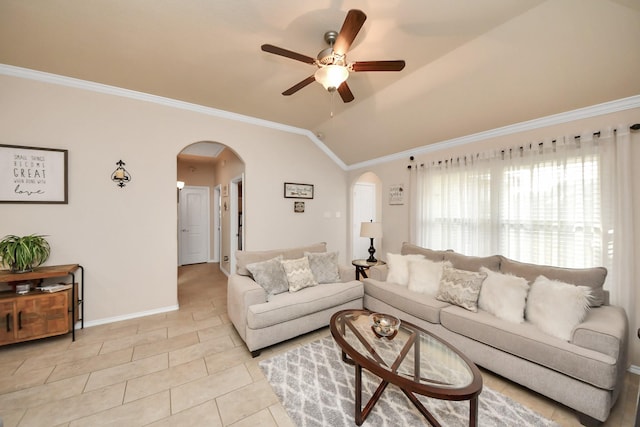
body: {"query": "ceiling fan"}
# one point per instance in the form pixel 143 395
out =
pixel 333 68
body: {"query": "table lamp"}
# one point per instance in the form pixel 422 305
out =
pixel 371 230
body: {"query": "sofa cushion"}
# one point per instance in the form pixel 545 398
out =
pixel 591 277
pixel 472 263
pixel 526 341
pixel 409 249
pixel 270 275
pixel 290 306
pixel 247 257
pixel 324 266
pixel 503 295
pixel 298 273
pixel 422 306
pixel 557 307
pixel 399 267
pixel 425 275
pixel 460 287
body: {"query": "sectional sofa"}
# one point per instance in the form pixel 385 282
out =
pixel 583 370
pixel 263 318
pixel 582 367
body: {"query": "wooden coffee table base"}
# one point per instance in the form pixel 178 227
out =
pixel 362 414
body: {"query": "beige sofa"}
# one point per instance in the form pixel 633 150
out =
pixel 584 373
pixel 263 320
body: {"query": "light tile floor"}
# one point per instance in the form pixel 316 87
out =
pixel 184 368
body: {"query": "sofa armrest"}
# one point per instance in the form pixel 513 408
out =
pixel 378 272
pixel 242 293
pixel 347 273
pixel 604 330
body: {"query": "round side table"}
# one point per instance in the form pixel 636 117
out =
pixel 362 265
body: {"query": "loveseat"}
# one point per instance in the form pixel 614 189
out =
pixel 581 367
pixel 268 303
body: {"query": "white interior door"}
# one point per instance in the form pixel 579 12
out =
pixel 364 209
pixel 194 225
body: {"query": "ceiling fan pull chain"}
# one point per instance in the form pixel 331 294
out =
pixel 333 97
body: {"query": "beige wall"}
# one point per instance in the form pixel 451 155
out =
pixel 126 237
pixel 396 219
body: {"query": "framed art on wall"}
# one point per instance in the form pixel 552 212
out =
pixel 298 191
pixel 33 175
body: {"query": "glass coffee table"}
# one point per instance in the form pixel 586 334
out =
pixel 415 360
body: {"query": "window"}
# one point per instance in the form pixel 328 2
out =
pixel 539 204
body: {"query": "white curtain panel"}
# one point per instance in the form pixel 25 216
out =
pixel 565 202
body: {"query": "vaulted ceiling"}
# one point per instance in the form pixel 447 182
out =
pixel 471 66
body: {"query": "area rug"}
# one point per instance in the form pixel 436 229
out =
pixel 317 389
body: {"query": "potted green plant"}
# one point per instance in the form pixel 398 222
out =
pixel 23 253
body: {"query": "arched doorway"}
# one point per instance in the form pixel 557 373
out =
pixel 213 169
pixel 366 205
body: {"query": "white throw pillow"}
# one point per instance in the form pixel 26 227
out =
pixel 399 268
pixel 557 307
pixel 503 295
pixel 299 274
pixel 425 275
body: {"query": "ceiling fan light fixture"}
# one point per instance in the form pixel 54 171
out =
pixel 331 76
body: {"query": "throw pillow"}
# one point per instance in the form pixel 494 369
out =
pixel 270 275
pixel 460 287
pixel 324 266
pixel 557 307
pixel 503 295
pixel 425 275
pixel 399 268
pixel 298 273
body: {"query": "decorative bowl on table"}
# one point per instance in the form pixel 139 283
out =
pixel 384 325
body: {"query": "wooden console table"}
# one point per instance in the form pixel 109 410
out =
pixel 41 306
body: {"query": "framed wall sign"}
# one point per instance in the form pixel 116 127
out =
pixel 396 194
pixel 33 175
pixel 298 191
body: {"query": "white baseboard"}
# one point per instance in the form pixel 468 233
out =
pixel 104 321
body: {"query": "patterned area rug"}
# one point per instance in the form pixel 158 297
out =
pixel 317 389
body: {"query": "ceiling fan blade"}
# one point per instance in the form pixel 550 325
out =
pixel 350 28
pixel 345 92
pixel 378 65
pixel 293 89
pixel 287 53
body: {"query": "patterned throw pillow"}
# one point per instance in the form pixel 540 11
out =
pixel 460 287
pixel 298 273
pixel 270 275
pixel 324 266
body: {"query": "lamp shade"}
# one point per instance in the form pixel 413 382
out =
pixel 372 230
pixel 331 76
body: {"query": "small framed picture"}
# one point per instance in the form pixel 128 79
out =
pixel 396 194
pixel 298 207
pixel 298 191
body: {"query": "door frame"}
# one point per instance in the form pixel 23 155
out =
pixel 217 223
pixel 233 219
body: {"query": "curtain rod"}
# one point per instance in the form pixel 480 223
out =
pixel 633 127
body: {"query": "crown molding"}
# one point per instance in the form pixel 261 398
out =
pixel 569 116
pixel 25 73
pixel 581 113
